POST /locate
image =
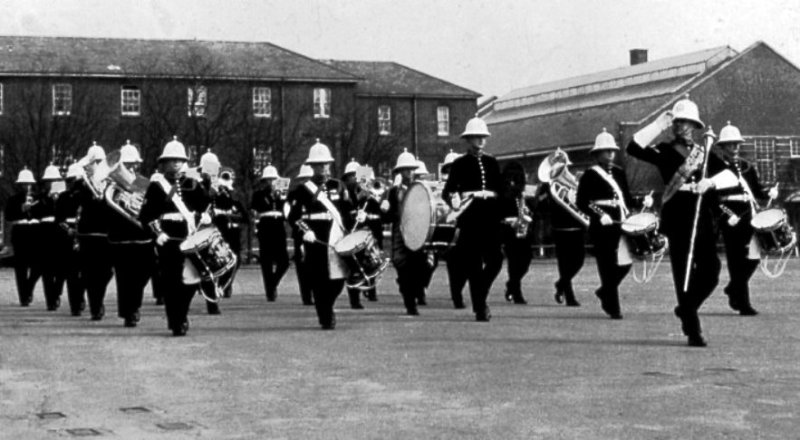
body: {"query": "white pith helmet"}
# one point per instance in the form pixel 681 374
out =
pixel 685 109
pixel 351 167
pixel 319 153
pixel 129 154
pixel 305 172
pixel 270 172
pixel 173 150
pixel 405 160
pixel 209 160
pixel 25 176
pixel 729 134
pixel 476 127
pixel 51 172
pixel 75 171
pixel 421 169
pixel 95 152
pixel 604 141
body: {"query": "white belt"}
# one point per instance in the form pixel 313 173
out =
pixel 71 220
pixel 173 217
pixel 223 211
pixel 318 216
pixel 607 203
pixel 49 219
pixel 735 198
pixel 270 214
pixel 689 187
pixel 373 217
pixel 482 194
pixel 511 220
pixel 25 222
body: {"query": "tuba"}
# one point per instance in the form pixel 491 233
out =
pixel 563 184
pixel 125 192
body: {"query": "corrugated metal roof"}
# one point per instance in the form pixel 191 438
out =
pixel 687 65
pixel 389 78
pixel 133 57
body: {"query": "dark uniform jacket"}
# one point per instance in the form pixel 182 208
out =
pixel 596 196
pixel 472 172
pixel 94 211
pixel 269 214
pixel 160 213
pixel 510 206
pixel 734 198
pixel 229 213
pixel 372 208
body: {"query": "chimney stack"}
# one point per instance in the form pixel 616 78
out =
pixel 638 56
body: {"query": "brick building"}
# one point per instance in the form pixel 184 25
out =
pixel 757 89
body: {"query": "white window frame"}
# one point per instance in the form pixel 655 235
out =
pixel 322 103
pixel 130 101
pixel 262 102
pixel 764 149
pixel 794 148
pixel 384 120
pixel 62 99
pixel 443 120
pixel 197 108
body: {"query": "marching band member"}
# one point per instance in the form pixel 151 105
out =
pixel 173 205
pixel 66 244
pixel 411 265
pixel 267 205
pixel 229 215
pixel 517 240
pixel 301 271
pixel 604 196
pixel 738 205
pixel 474 180
pixel 680 163
pixel 208 171
pixel 349 181
pixel 132 251
pixel 24 236
pixel 96 267
pixel 456 277
pixel 50 232
pixel 321 209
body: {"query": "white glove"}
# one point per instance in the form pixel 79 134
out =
pixel 572 196
pixel 648 201
pixel 205 219
pixel 455 201
pixel 361 216
pixel 605 220
pixel 773 192
pixel 527 218
pixel 385 206
pixel 704 185
pixel 650 132
pixel 162 239
pixel 310 237
pixel 733 220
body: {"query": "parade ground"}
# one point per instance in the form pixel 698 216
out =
pixel 539 371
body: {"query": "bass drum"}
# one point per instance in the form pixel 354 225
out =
pixel 424 222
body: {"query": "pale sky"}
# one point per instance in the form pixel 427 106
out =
pixel 488 46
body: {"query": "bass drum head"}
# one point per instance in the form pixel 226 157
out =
pixel 416 215
pixel 352 243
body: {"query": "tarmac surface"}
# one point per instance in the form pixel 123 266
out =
pixel 542 371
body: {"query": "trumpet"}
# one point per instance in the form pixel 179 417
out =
pixel 369 185
pixel 563 184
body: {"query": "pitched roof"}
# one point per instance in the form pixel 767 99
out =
pixel 109 57
pixel 388 78
pixel 573 111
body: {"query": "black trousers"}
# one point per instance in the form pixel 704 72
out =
pixel 481 259
pixel 177 296
pixel 740 268
pixel 303 277
pixel 53 277
pixel 606 243
pixel 412 275
pixel 274 261
pixel 325 292
pixel 456 276
pixel 70 272
pixel 233 236
pixel 519 254
pixel 27 268
pixel 570 254
pixel 96 270
pixel 133 266
pixel 704 275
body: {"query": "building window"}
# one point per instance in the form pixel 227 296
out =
pixel 62 99
pixel 322 103
pixel 131 101
pixel 765 159
pixel 262 102
pixel 443 120
pixel 794 146
pixel 197 101
pixel 384 120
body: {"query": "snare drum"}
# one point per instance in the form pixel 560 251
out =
pixel 363 257
pixel 424 219
pixel 641 231
pixel 211 256
pixel 773 232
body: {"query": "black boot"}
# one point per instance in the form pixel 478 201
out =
pixel 559 296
